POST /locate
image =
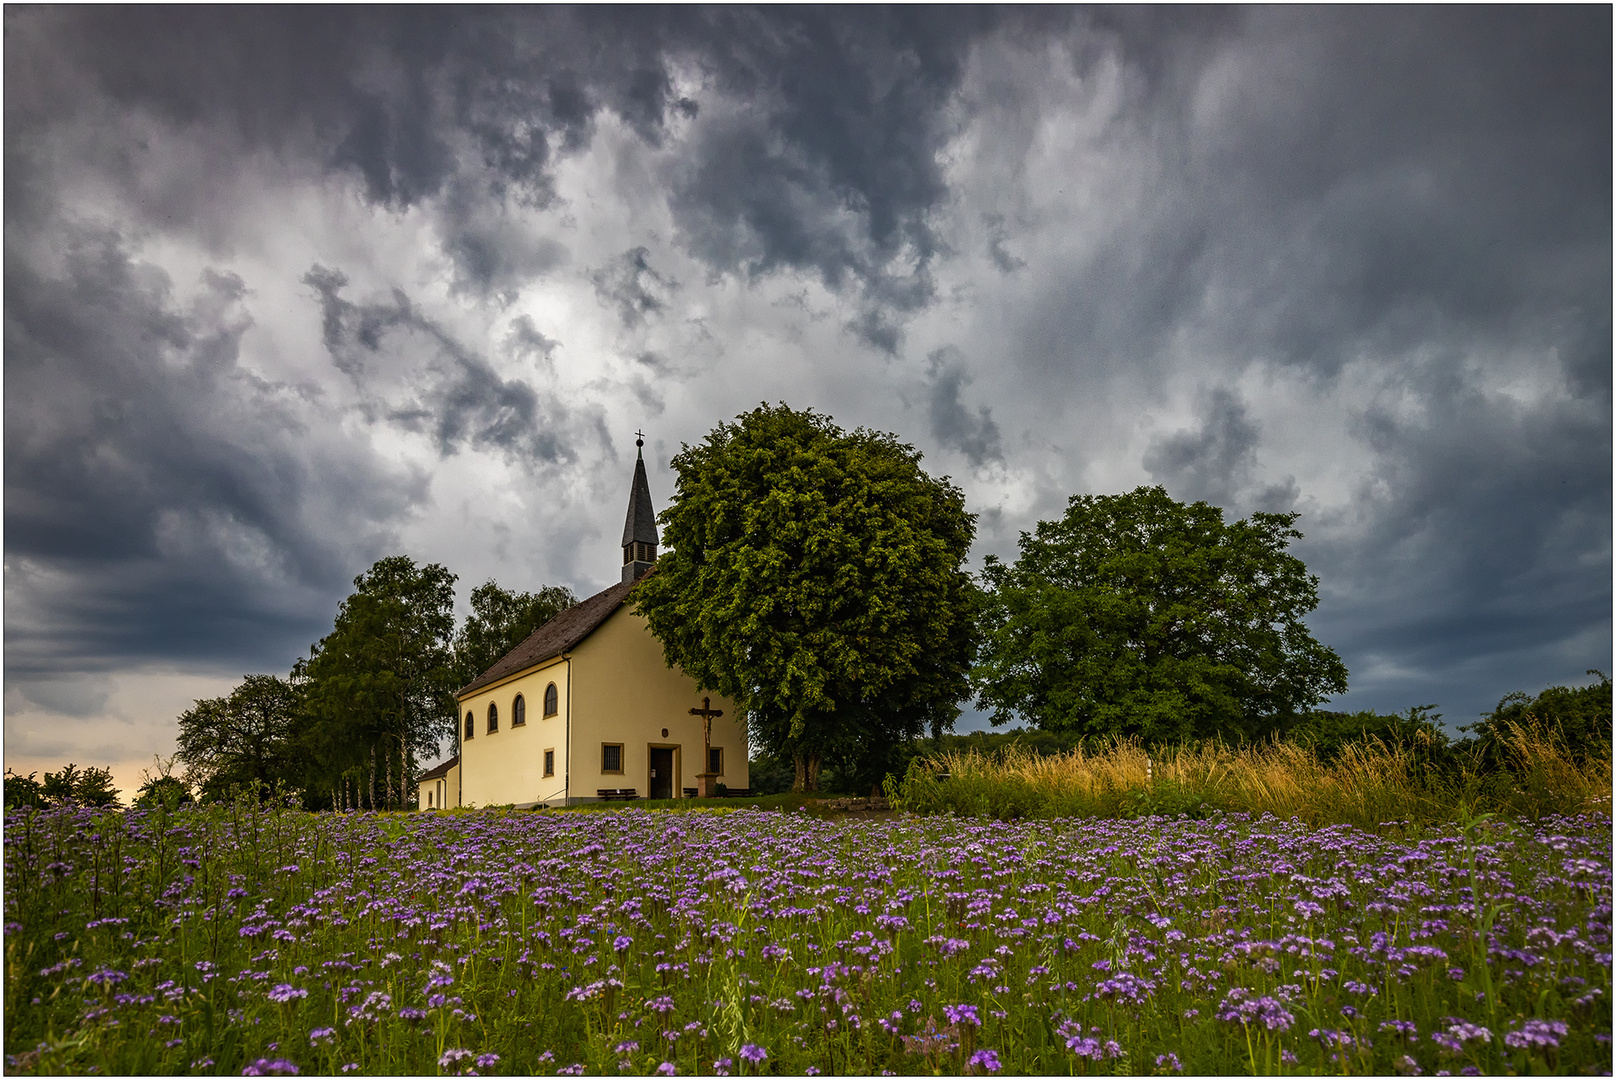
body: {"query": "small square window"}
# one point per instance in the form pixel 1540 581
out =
pixel 549 763
pixel 611 757
pixel 715 760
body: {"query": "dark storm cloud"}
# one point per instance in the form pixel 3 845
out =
pixel 633 286
pixel 162 500
pixel 419 377
pixel 1217 461
pixel 952 423
pixel 1331 182
pixel 1486 560
pixel 827 163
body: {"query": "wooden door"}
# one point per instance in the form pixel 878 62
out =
pixel 661 786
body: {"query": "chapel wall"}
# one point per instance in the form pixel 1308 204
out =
pixel 507 766
pixel 624 692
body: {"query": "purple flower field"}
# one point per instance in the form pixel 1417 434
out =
pixel 741 942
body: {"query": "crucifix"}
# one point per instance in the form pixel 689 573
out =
pixel 707 776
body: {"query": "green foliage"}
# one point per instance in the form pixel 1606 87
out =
pixel 1418 731
pixel 91 787
pixel 24 790
pixel 1138 615
pixel 381 684
pixel 163 789
pixel 815 578
pixel 1579 715
pixel 770 774
pixel 500 619
pixel 252 736
pixel 87 787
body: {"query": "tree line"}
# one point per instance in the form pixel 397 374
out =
pixel 817 578
pixel 351 723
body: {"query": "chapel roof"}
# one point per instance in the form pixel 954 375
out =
pixel 438 770
pixel 555 637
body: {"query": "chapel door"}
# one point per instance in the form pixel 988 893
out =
pixel 661 786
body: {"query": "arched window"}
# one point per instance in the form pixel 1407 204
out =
pixel 493 718
pixel 470 729
pixel 518 712
pixel 550 700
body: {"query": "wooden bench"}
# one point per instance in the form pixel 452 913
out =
pixel 690 792
pixel 738 793
pixel 609 793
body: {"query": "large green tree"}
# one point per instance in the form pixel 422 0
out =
pixel 1136 614
pixel 815 577
pixel 380 686
pixel 500 619
pixel 250 737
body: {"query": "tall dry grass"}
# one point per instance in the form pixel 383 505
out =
pixel 1367 784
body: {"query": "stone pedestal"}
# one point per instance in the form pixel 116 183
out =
pixel 708 784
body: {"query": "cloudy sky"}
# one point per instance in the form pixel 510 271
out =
pixel 288 290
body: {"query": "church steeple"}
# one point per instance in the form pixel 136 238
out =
pixel 639 529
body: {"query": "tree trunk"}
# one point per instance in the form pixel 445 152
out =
pixel 373 776
pixel 807 778
pixel 387 781
pixel 403 772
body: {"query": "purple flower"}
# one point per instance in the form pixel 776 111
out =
pixel 1536 1034
pixel 281 993
pixel 322 1035
pixel 1447 1042
pixel 621 942
pixel 487 1061
pixel 1239 1007
pixel 1465 1031
pixel 984 1061
pixel 1169 1061
pixel 667 1068
pixel 270 1067
pixel 1085 1047
pixel 722 1066
pixel 962 1014
pixel 450 1057
pixel 754 1053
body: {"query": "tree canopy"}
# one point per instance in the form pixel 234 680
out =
pixel 500 619
pixel 1136 614
pixel 88 787
pixel 381 684
pixel 252 736
pixel 815 577
pixel 1579 716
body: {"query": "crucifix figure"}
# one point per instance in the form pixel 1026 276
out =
pixel 707 776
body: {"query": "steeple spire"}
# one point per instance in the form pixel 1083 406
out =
pixel 639 528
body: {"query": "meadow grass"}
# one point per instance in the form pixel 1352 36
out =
pixel 232 939
pixel 1368 784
